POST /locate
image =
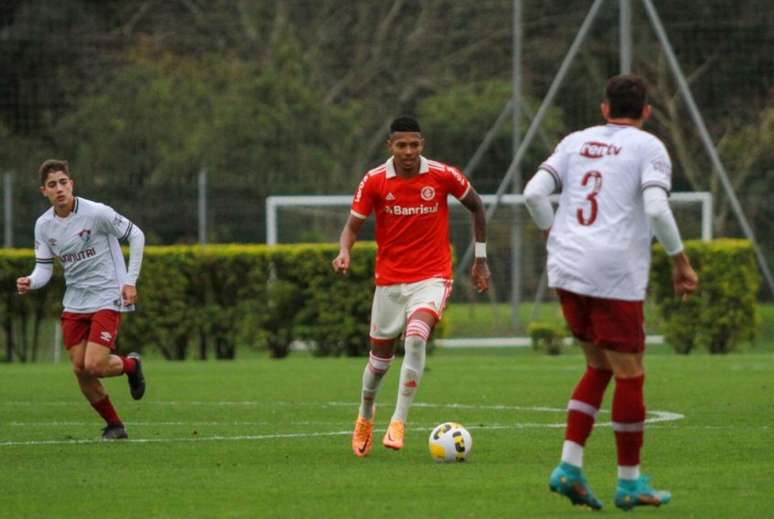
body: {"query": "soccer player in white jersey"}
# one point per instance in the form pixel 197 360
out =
pixel 84 235
pixel 614 181
pixel 408 195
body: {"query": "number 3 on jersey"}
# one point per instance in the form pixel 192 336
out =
pixel 596 178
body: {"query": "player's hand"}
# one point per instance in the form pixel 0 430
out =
pixel 341 262
pixel 481 275
pixel 128 295
pixel 23 285
pixel 684 278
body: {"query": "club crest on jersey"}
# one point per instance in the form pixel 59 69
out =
pixel 85 235
pixel 597 150
pixel 427 193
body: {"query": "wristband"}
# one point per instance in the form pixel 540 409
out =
pixel 480 249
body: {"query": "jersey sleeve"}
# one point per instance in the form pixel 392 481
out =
pixel 43 252
pixel 363 201
pixel 110 222
pixel 456 183
pixel 556 163
pixel 656 169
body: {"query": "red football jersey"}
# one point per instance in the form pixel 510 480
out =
pixel 412 219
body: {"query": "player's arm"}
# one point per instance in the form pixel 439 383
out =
pixel 136 239
pixel 684 278
pixel 346 241
pixel 536 194
pixel 44 265
pixel 40 275
pixel 480 271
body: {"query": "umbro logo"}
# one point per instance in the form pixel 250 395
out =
pixel 105 336
pixel 389 196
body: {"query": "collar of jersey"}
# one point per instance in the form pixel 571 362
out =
pixel 424 166
pixel 74 211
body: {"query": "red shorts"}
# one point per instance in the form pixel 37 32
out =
pixel 100 327
pixel 609 323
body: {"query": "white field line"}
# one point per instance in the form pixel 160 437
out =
pixel 657 416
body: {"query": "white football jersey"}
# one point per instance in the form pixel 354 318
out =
pixel 86 243
pixel 600 240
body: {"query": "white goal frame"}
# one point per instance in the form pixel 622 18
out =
pixel 274 203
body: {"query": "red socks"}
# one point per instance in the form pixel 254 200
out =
pixel 107 411
pixel 629 419
pixel 129 364
pixel 584 404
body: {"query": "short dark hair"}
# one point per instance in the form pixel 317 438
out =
pixel 404 123
pixel 52 166
pixel 626 95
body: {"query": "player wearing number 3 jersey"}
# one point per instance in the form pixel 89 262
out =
pixel 614 181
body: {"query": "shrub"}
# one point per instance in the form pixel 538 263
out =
pixel 723 312
pixel 546 337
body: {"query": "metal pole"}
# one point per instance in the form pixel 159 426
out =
pixel 8 210
pixel 625 35
pixel 707 140
pixel 271 221
pixel 516 184
pixel 203 206
pixel 472 164
pixel 533 128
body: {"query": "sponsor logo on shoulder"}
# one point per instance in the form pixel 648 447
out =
pixel 597 150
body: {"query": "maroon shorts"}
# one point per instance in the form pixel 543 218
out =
pixel 609 323
pixel 100 327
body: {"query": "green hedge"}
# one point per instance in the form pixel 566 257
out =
pixel 202 301
pixel 723 313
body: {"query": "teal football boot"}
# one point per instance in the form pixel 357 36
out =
pixel 568 481
pixel 638 492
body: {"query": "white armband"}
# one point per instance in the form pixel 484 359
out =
pixel 480 249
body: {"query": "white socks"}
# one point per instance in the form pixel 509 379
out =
pixel 412 368
pixel 572 453
pixel 628 472
pixel 372 379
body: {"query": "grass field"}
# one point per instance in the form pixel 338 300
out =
pixel 263 438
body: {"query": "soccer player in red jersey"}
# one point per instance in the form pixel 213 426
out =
pixel 614 180
pixel 84 236
pixel 408 194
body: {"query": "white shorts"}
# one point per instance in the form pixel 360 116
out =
pixel 394 305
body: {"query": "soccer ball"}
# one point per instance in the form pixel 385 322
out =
pixel 450 441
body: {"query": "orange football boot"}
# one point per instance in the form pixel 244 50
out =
pixel 393 438
pixel 362 437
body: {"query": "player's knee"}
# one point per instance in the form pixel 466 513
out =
pixel 93 368
pixel 79 369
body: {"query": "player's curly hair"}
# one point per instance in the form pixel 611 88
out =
pixel 52 166
pixel 405 123
pixel 626 95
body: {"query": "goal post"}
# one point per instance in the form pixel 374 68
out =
pixel 275 203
